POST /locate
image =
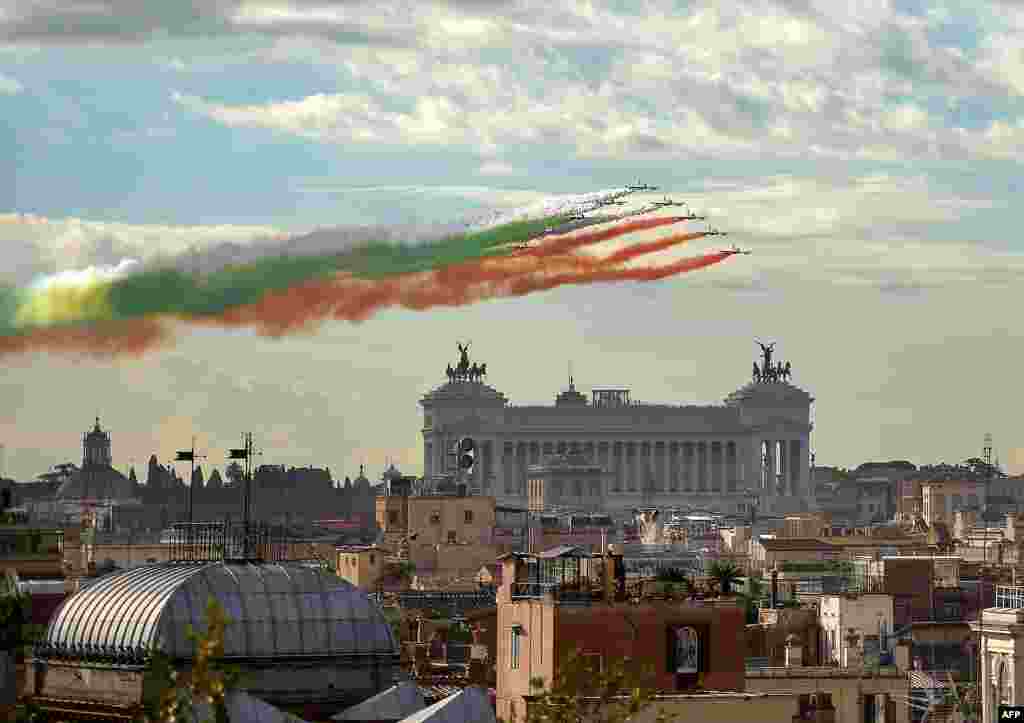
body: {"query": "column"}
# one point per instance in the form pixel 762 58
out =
pixel 716 466
pixel 428 459
pixel 659 467
pixel 702 466
pixel 673 466
pixel 796 468
pixel 495 471
pixel 522 462
pixel 689 474
pixel 730 465
pixel 782 466
pixel 617 464
pixel 508 458
pixel 631 465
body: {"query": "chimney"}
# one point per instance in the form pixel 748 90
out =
pixel 822 710
pixel 804 709
pixel 509 576
pixel 614 574
pixel 794 651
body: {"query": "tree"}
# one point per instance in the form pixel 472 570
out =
pixel 725 572
pixel 583 691
pixel 752 598
pixel 208 680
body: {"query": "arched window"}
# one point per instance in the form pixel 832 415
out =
pixel 687 650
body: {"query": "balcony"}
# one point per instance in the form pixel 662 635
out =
pixel 1010 596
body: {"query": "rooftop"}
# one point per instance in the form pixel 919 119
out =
pixel 275 609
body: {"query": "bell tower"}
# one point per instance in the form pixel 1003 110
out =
pixel 96 447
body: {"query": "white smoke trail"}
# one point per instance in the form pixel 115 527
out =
pixel 551 206
pixel 85 277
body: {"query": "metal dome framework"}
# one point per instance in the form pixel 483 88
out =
pixel 276 611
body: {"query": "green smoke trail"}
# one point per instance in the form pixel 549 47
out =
pixel 175 292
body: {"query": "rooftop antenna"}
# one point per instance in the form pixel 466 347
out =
pixel 570 375
pixel 986 452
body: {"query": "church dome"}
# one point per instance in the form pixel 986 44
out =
pixel 96 481
pixel 275 610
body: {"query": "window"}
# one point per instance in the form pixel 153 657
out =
pixel 393 517
pixel 435 518
pixel 469 517
pixel 514 650
pixel 593 663
pixel 685 650
pixel 371 558
pixel 451 537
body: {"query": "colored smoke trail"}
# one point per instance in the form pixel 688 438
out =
pixel 533 283
pixel 349 299
pixel 563 244
pixel 107 339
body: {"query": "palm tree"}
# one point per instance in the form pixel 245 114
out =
pixel 726 573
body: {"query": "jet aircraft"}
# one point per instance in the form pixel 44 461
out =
pixel 737 250
pixel 715 232
pixel 667 203
pixel 642 187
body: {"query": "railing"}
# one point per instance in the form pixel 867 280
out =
pixel 1009 596
pixel 217 541
pixel 558 591
pixel 433 599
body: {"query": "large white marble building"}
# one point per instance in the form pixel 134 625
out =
pixel 752 448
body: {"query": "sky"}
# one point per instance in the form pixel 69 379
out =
pixel 869 154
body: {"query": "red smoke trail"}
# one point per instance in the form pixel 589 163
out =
pixel 533 283
pixel 562 243
pixel 631 252
pixel 129 337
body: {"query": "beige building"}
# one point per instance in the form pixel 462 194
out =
pixel 869 616
pixel 859 695
pixel 437 519
pixel 755 442
pixel 941 499
pixel 1001 642
pixel 362 565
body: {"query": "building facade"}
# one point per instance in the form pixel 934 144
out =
pixel 753 446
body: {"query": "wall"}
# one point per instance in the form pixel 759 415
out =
pixel 615 632
pixel 909 581
pixel 362 568
pixel 762 708
pixel 845 688
pixel 860 612
pixel 452 518
pixel 452 559
pixel 535 652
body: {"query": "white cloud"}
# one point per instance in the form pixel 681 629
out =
pixel 497 168
pixel 40 245
pixel 9 86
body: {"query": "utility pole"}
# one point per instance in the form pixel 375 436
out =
pixel 189 455
pixel 247 452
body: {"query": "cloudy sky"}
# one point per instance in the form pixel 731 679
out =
pixel 869 153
